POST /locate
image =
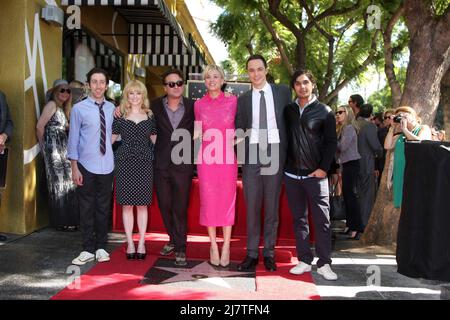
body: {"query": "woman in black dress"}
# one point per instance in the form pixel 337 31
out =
pixel 52 131
pixel 134 168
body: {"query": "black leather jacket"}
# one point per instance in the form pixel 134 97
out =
pixel 311 138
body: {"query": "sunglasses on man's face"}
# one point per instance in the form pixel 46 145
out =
pixel 173 84
pixel 339 112
pixel 63 90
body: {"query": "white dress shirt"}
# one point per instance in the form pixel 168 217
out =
pixel 273 136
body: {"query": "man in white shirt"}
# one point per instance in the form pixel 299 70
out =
pixel 259 120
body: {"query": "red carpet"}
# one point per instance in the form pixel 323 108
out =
pixel 285 227
pixel 120 279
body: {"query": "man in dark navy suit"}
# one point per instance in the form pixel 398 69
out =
pixel 259 120
pixel 6 127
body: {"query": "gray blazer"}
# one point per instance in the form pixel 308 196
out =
pixel 6 124
pixel 282 97
pixel 347 146
pixel 369 146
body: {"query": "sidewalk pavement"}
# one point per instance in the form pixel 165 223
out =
pixel 37 266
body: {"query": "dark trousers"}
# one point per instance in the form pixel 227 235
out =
pixel 258 190
pixel 173 192
pixel 94 198
pixel 313 192
pixel 366 195
pixel 350 171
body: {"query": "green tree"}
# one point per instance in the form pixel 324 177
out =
pixel 330 38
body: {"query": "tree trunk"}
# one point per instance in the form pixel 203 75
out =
pixel 300 51
pixel 429 47
pixel 382 226
pixel 424 74
pixel 394 84
pixel 445 102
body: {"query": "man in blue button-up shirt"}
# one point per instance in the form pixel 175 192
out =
pixel 92 160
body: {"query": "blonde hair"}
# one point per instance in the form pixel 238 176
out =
pixel 390 111
pixel 349 120
pixel 211 68
pixel 125 105
pixel 66 106
pixel 410 111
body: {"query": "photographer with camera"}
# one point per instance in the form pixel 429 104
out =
pixel 405 127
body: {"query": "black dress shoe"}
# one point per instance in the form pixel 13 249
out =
pixel 270 264
pixel 141 256
pixel 248 264
pixel 131 256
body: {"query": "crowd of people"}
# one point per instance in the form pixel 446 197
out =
pixel 300 142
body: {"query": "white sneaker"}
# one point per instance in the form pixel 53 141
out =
pixel 101 255
pixel 83 258
pixel 327 273
pixel 301 268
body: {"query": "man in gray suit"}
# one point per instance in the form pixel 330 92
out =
pixel 6 127
pixel 259 120
pixel 369 148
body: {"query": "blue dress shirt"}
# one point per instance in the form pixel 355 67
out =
pixel 84 136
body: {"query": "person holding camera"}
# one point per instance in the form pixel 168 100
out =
pixel 405 127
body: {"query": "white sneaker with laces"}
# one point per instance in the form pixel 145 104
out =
pixel 327 273
pixel 83 258
pixel 301 268
pixel 101 255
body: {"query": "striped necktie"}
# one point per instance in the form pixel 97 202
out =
pixel 102 128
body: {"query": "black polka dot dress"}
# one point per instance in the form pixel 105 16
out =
pixel 134 161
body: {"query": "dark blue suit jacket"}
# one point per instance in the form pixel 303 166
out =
pixel 6 124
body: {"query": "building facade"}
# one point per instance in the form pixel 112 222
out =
pixel 132 39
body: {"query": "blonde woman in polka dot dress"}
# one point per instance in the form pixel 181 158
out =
pixel 134 157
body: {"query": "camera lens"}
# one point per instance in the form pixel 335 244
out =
pixel 398 118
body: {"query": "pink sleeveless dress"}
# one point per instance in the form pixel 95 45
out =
pixel 216 161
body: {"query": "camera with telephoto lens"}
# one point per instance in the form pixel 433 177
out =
pixel 398 118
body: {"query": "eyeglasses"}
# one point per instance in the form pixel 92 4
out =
pixel 339 112
pixel 173 84
pixel 387 117
pixel 62 90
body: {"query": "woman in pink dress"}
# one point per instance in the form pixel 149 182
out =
pixel 216 162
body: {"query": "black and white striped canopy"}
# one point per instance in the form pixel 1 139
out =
pixel 104 56
pixel 153 31
pixel 109 2
pixel 155 39
pixel 153 12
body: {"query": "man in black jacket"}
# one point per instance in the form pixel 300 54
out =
pixel 6 127
pixel 311 134
pixel 174 114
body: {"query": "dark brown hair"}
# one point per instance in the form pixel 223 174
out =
pixel 256 57
pixel 300 72
pixel 169 72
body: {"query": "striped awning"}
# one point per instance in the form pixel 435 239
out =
pixel 155 39
pixel 168 59
pixel 143 6
pixel 109 2
pixel 104 56
pixel 154 32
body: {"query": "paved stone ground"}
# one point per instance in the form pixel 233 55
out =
pixel 35 267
